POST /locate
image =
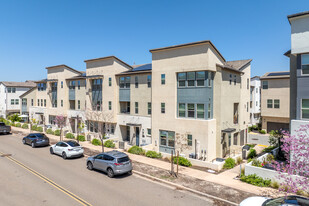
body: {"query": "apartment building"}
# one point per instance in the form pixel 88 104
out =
pixel 9 93
pixel 299 69
pixel 255 100
pixel 275 104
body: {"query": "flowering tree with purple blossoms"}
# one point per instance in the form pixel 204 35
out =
pixel 60 121
pixel 294 172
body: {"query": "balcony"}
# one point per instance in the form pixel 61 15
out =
pixel 124 95
pixel 72 94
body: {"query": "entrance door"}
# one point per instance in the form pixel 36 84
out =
pixel 137 135
pixel 72 121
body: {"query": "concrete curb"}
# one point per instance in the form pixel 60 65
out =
pixel 183 188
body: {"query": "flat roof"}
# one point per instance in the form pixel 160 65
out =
pixel 298 14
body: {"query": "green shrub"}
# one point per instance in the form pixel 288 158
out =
pixel 229 163
pixel 109 144
pixel 251 145
pixel 256 180
pixel 49 131
pixel 12 124
pixel 39 129
pixel 136 150
pixel 15 118
pixel 57 132
pixel 249 160
pixel 183 161
pixel 269 149
pixel 81 138
pixel 25 126
pixel 34 127
pixel 70 136
pixel 153 154
pixel 256 163
pixel 18 125
pixel 270 158
pixel 262 131
pixel 96 142
pixel 2 120
pixel 252 153
pixel 254 127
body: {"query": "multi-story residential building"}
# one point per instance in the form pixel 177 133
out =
pixel 200 101
pixel 9 93
pixel 299 69
pixel 275 104
pixel 255 100
pixel 189 98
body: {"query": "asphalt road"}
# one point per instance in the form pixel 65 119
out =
pixel 31 176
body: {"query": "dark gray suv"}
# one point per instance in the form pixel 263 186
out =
pixel 113 163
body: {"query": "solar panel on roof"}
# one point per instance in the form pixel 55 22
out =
pixel 143 67
pixel 278 74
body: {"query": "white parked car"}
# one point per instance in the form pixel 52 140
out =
pixel 67 149
pixel 281 201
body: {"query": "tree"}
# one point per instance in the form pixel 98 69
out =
pixel 98 120
pixel 294 172
pixel 14 118
pixel 60 121
pixel 32 121
pixel 274 137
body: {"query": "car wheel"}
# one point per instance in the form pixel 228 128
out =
pixel 24 141
pixel 64 155
pixel 110 173
pixel 32 145
pixel 130 172
pixel 89 166
pixel 51 151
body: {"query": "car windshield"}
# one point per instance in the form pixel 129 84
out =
pixel 2 124
pixel 73 144
pixel 123 159
pixel 290 200
pixel 40 135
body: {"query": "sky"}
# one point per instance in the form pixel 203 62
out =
pixel 38 34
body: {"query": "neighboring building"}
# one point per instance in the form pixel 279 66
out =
pixel 9 93
pixel 299 69
pixel 255 100
pixel 27 100
pixel 275 104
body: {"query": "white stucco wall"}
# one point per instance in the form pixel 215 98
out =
pixel 300 34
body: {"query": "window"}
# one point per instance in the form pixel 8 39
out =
pixel 148 131
pixel 12 101
pixel 209 79
pixel 31 102
pixel 121 82
pixel 127 82
pixel 38 103
pixel 234 79
pixel 248 83
pixel 136 107
pixel 200 111
pixel 41 86
pixel 136 81
pixel 24 101
pixel 13 90
pixel 230 79
pixel 269 103
pixel 209 111
pixel 182 79
pixel 78 104
pixel 182 110
pixel 16 101
pixel 110 81
pixel 149 81
pixel 9 90
pixel 200 79
pixel 78 84
pixel 265 84
pixel 305 63
pixel 162 79
pixel 163 108
pixel 41 102
pixel 277 103
pixel 72 85
pixel 149 108
pixel 61 103
pixel 189 138
pixel 112 128
pixel 44 102
pixel 167 138
pixel 256 103
pixel 61 84
pixel 247 106
pixel 110 105
pixel 191 79
pixel 305 109
pixel 191 110
pixel 256 90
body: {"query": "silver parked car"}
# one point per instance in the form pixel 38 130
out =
pixel 281 201
pixel 67 149
pixel 113 163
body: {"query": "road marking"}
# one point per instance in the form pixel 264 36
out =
pixel 65 191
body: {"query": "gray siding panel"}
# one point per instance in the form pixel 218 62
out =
pixel 72 94
pixel 302 93
pixel 124 95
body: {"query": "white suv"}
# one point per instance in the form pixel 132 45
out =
pixel 67 149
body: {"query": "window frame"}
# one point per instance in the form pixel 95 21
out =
pixel 149 81
pixel 162 107
pixel 109 105
pixel 301 64
pixel 149 108
pixel 189 139
pixel 190 110
pixel 278 103
pixel 301 109
pixel 109 81
pixel 163 80
pixel 184 104
pixel 265 86
pixel 136 107
pixel 197 111
pixel 190 79
pixel 136 81
pixel 200 79
pixel 268 103
pixel 182 80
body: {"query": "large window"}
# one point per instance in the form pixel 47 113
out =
pixel 265 84
pixel 200 79
pixel 277 103
pixel 200 111
pixel 162 79
pixel 24 101
pixel 269 103
pixel 305 63
pixel 191 110
pixel 194 79
pixel 41 86
pixel 149 81
pixel 149 108
pixel 191 79
pixel 305 109
pixel 182 79
pixel 182 110
pixel 72 85
pixel 11 89
pixel 125 82
pixel 167 139
pixel 163 108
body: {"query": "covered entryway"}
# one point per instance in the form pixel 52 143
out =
pixel 277 126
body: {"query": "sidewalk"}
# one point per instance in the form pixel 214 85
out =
pixel 225 178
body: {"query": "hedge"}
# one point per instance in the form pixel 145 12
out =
pixel 70 136
pixel 136 150
pixel 109 144
pixel 183 161
pixel 49 131
pixel 18 125
pixel 81 138
pixel 57 132
pixel 229 163
pixel 25 126
pixel 153 154
pixel 252 153
pixel 96 142
pixel 34 127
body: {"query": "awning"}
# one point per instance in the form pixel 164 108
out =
pixel 228 130
pixel 94 76
pixel 23 116
pixel 39 113
pixel 134 125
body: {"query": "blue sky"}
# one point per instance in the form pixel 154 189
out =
pixel 37 34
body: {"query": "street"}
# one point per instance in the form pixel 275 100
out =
pixel 31 176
